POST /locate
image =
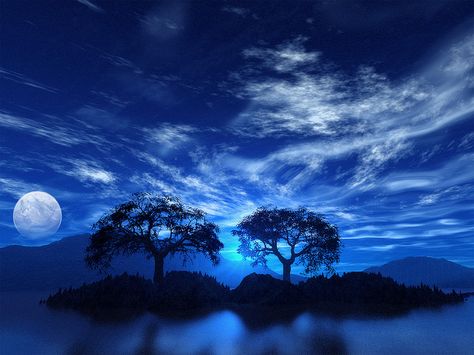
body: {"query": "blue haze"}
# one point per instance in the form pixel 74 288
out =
pixel 27 327
pixel 361 111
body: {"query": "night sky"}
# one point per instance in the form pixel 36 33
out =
pixel 363 111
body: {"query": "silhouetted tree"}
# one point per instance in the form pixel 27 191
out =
pixel 293 235
pixel 155 225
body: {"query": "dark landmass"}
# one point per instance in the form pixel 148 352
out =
pixel 186 293
pixel 429 271
pixel 61 265
pixel 126 295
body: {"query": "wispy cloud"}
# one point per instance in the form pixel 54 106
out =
pixel 164 21
pixel 366 115
pixel 239 11
pixel 169 137
pixel 362 147
pixel 87 171
pixel 17 187
pixel 284 58
pixel 111 98
pixel 115 59
pixel 216 195
pixel 445 177
pixel 386 247
pixel 24 80
pixel 467 141
pixel 373 159
pixel 91 5
pixel 151 88
pixel 97 119
pixel 59 133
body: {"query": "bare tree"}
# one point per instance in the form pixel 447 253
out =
pixel 156 226
pixel 293 235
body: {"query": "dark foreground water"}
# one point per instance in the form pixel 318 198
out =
pixel 28 328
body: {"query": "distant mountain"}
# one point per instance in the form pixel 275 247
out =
pixel 61 264
pixel 430 271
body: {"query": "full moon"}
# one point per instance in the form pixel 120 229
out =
pixel 37 214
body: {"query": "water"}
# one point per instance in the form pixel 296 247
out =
pixel 29 328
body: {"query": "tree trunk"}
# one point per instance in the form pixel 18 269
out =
pixel 286 271
pixel 159 269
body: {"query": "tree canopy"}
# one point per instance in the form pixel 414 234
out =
pixel 156 226
pixel 297 236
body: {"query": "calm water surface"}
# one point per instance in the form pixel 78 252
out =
pixel 28 328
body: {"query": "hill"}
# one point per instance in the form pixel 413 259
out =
pixel 61 264
pixel 430 271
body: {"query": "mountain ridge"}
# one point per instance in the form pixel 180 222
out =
pixel 60 264
pixel 438 272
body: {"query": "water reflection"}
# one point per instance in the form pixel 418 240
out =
pixel 27 328
pixel 149 337
pixel 225 333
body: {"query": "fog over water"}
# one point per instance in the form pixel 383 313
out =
pixel 29 328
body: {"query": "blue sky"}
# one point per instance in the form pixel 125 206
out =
pixel 362 111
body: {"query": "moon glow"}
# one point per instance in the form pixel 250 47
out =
pixel 37 214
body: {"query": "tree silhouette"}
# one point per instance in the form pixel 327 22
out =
pixel 155 225
pixel 293 235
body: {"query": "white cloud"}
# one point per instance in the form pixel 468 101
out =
pixel 226 203
pixel 157 185
pixel 169 137
pixel 86 171
pixel 405 184
pixel 459 59
pixel 365 116
pixel 380 233
pixel 429 199
pixel 388 247
pixel 285 58
pixel 95 175
pixel 346 215
pixel 447 181
pixel 377 247
pixel 449 221
pixel 215 193
pixel 373 159
pixel 323 102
